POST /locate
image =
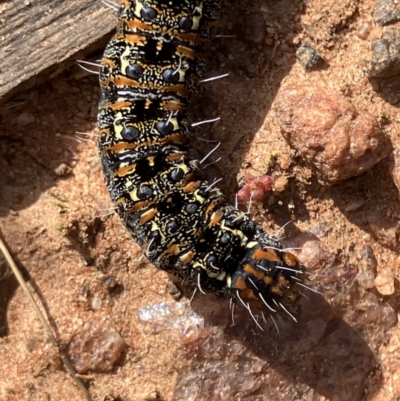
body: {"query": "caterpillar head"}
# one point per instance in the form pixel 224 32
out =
pixel 267 278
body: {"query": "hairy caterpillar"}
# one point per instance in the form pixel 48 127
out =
pixel 149 74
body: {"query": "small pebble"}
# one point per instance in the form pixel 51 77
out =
pixel 383 229
pixel 25 119
pixel 96 348
pixel 329 132
pixel 384 282
pixel 367 260
pixel 370 306
pixel 281 183
pixel 395 170
pixel 385 61
pixel 363 31
pixel 95 302
pixel 62 170
pixel 366 279
pixel 388 316
pixel 308 57
pixel 109 282
pixel 386 12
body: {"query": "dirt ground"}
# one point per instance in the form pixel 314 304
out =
pixel 56 218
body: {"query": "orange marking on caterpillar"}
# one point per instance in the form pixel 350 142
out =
pixel 248 268
pixel 118 105
pixel 213 204
pixel 175 156
pixel 172 250
pixel 147 216
pixel 187 257
pixel 215 219
pixel 172 105
pixel 123 171
pixel 186 52
pixel 245 291
pixel 132 38
pixel 141 205
pixel 268 254
pixel 192 186
pixel 173 138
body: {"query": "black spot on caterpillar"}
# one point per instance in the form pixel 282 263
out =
pixel 148 77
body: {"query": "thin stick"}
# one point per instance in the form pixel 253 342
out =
pixel 40 315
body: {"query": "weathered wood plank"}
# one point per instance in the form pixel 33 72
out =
pixel 36 34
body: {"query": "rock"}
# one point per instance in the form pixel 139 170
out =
pixel 308 57
pixel 329 133
pixel 384 282
pixel 25 119
pixel 385 61
pixel 109 282
pixel 370 309
pixel 366 279
pixel 383 229
pixel 386 11
pixel 96 348
pixel 388 317
pixel 395 170
pixel 281 183
pixel 62 170
pixel 367 260
pixel 364 30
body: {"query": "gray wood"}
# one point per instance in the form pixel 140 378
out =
pixel 37 34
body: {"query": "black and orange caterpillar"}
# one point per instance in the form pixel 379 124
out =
pixel 149 74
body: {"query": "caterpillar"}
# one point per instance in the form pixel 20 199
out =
pixel 149 76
